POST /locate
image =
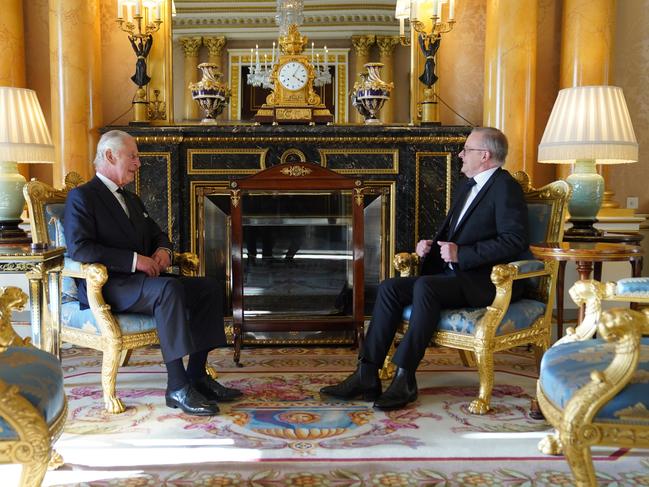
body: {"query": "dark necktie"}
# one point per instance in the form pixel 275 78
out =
pixel 132 211
pixel 468 184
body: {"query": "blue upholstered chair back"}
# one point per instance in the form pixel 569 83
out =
pixel 56 234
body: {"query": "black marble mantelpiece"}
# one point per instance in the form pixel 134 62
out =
pixel 417 165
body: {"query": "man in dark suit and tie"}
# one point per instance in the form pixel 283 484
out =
pixel 486 225
pixel 106 224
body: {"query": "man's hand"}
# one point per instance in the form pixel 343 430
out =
pixel 161 257
pixel 147 265
pixel 423 247
pixel 448 251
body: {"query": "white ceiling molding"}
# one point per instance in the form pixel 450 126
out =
pixel 325 19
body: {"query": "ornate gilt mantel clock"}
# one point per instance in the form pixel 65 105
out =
pixel 293 99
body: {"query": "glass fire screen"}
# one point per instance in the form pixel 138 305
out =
pixel 297 253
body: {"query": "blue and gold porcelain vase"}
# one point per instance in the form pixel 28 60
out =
pixel 210 92
pixel 370 94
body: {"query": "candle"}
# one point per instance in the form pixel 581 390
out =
pixel 438 12
pixel 272 61
pixel 120 9
pixel 402 29
pixel 138 7
pixel 257 55
pixel 451 10
pixel 251 54
pixel 326 60
pixel 265 61
pixel 312 44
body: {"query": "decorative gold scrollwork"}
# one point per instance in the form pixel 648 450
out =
pixel 358 195
pixel 296 171
pixel 235 197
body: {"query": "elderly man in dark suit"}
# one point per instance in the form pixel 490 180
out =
pixel 104 223
pixel 487 225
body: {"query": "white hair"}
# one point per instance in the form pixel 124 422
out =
pixel 113 140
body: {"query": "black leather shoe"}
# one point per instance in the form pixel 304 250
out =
pixel 191 401
pixel 401 391
pixel 213 391
pixel 361 383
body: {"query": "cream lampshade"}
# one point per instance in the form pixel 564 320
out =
pixel 24 137
pixel 588 125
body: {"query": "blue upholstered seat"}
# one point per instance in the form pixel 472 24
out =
pixel 519 315
pixel 567 367
pixel 72 316
pixel 633 286
pixel 39 377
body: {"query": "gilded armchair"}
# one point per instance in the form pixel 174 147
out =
pixel 595 392
pixel 115 335
pixel 478 333
pixel 33 406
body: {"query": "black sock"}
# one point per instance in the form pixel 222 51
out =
pixel 176 375
pixel 196 365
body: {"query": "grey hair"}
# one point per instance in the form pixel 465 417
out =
pixel 113 140
pixel 495 142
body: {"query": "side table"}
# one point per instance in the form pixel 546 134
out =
pixel 43 270
pixel 586 255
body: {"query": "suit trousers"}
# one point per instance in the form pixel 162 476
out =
pixel 429 295
pixel 188 312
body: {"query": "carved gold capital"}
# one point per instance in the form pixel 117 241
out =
pixel 190 45
pixel 214 45
pixel 387 44
pixel 362 44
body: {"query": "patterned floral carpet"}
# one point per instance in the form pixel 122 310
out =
pixel 284 434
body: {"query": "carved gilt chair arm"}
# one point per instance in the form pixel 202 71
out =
pixel 407 263
pixel 624 328
pixel 187 262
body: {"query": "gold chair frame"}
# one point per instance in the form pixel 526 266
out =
pixel 578 430
pixel 478 349
pixel 116 347
pixel 33 447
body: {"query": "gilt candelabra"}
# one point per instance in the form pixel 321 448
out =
pixel 140 19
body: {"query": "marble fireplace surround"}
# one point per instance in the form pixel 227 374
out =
pixel 414 169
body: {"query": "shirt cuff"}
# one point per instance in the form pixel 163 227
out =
pixel 134 265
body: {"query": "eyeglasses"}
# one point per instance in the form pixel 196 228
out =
pixel 468 149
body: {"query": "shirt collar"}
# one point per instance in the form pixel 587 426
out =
pixel 482 178
pixel 110 184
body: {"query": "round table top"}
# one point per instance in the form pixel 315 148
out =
pixel 586 251
pixel 607 237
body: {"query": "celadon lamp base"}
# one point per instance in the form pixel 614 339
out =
pixel 587 194
pixel 12 203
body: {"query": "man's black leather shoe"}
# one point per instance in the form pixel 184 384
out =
pixel 360 383
pixel 191 401
pixel 401 391
pixel 214 391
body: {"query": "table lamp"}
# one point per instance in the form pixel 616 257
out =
pixel 24 137
pixel 588 125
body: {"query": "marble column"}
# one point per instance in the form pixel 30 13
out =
pixel 190 46
pixel 386 50
pixel 587 51
pixel 362 45
pixel 75 70
pixel 510 78
pixel 12 52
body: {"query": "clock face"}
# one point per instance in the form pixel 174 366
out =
pixel 293 75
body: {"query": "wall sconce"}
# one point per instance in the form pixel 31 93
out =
pixel 588 125
pixel 140 19
pixel 425 17
pixel 24 137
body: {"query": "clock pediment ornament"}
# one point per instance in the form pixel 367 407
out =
pixel 293 99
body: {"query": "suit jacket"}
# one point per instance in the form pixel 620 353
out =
pixel 98 230
pixel 494 230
